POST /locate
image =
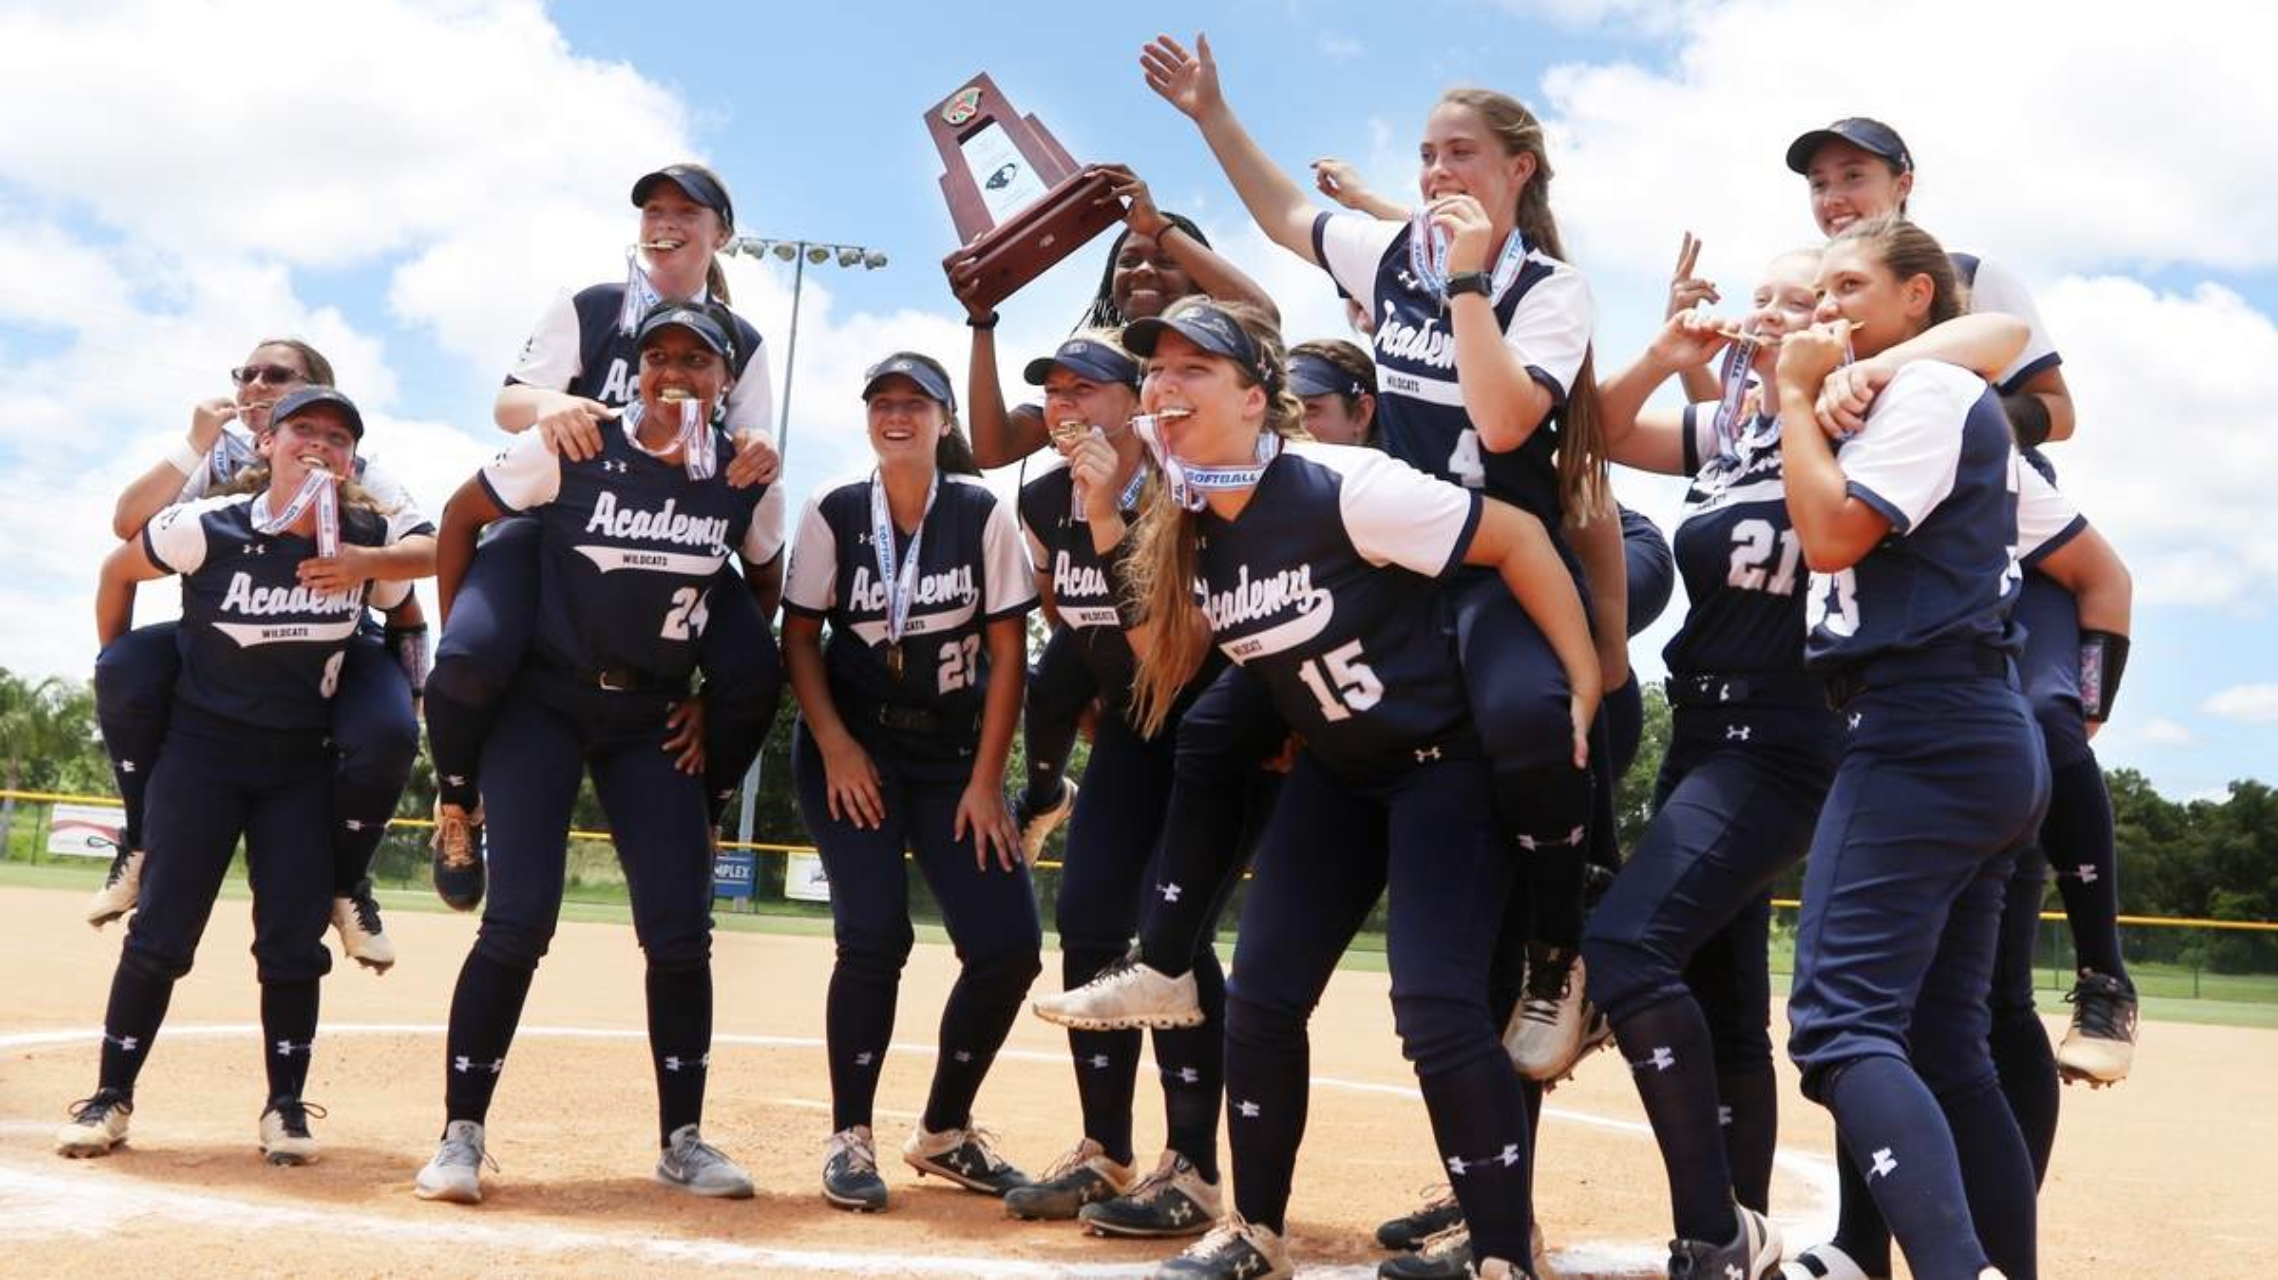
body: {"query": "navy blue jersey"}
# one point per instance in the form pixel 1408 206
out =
pixel 1546 316
pixel 629 548
pixel 970 573
pixel 257 646
pixel 1325 587
pixel 233 453
pixel 581 347
pixel 1738 553
pixel 1936 459
pixel 1083 592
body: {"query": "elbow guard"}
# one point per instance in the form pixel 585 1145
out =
pixel 408 645
pixel 2103 657
pixel 2028 418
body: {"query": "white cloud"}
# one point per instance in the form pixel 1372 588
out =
pixel 2246 703
pixel 2164 732
pixel 1337 46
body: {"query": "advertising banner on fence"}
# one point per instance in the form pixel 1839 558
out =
pixel 733 873
pixel 803 878
pixel 86 830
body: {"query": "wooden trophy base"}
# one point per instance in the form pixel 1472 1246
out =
pixel 1034 240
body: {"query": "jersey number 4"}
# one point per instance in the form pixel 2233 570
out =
pixel 1341 682
pixel 1465 464
pixel 685 617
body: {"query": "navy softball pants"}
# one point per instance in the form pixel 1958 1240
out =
pixel 2077 834
pixel 1220 799
pixel 374 733
pixel 1060 686
pixel 216 781
pixel 488 635
pixel 1104 882
pixel 990 914
pixel 1428 833
pixel 550 732
pixel 1939 781
pixel 1739 793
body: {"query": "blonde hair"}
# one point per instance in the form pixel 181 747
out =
pixel 1583 489
pixel 1160 572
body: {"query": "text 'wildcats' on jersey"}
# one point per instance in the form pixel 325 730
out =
pixel 630 550
pixel 257 646
pixel 1967 518
pixel 1083 591
pixel 970 572
pixel 1325 585
pixel 1544 310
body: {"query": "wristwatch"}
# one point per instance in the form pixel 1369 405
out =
pixel 1470 282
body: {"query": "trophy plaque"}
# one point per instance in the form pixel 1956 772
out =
pixel 1019 201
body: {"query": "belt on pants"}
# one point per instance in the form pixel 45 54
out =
pixel 1941 662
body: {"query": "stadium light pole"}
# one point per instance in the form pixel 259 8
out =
pixel 798 253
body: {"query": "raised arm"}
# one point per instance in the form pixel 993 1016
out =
pixel 1984 343
pixel 1001 436
pixel 1190 83
pixel 1654 439
pixel 161 487
pixel 1836 529
pixel 1341 182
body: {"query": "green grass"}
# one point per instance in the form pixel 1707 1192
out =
pixel 2231 1000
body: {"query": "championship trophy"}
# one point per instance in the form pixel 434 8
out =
pixel 1019 201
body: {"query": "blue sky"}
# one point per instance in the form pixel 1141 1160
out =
pixel 422 178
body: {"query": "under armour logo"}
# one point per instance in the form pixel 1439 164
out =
pixel 1458 1166
pixel 2085 872
pixel 1184 1075
pixel 1884 1165
pixel 126 1044
pixel 456 780
pixel 862 539
pixel 286 1048
pixel 127 766
pixel 1661 1059
pixel 1247 1110
pixel 257 548
pixel 1732 1271
pixel 1250 1265
pixel 354 824
pixel 963 1055
pixel 1508 1157
pixel 865 1058
pixel 614 465
pixel 1723 1116
pixel 1170 892
pixel 1425 755
pixel 675 1063
pixel 1182 1212
pixel 1100 1062
pixel 463 1065
pixel 1736 732
pixel 1856 717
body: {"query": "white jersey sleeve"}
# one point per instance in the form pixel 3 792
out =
pixel 402 511
pixel 524 474
pixel 1350 246
pixel 1011 586
pixel 751 402
pixel 1395 514
pixel 1996 289
pixel 763 540
pixel 1551 329
pixel 2046 519
pixel 175 539
pixel 810 585
pixel 1903 464
pixel 550 356
pixel 1698 432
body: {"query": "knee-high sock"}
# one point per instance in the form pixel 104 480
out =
pixel 2077 834
pixel 1897 1135
pixel 1106 1062
pixel 130 1022
pixel 485 1008
pixel 1193 1065
pixel 1672 1062
pixel 1998 1174
pixel 1750 1118
pixel 288 1034
pixel 680 1043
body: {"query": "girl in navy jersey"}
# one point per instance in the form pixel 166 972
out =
pixel 578 370
pixel 1482 340
pixel 1157 259
pixel 1677 950
pixel 906 719
pixel 1913 533
pixel 1336 382
pixel 1318 566
pixel 266 621
pixel 631 544
pixel 373 723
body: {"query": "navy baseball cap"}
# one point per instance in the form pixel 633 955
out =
pixel 698 185
pixel 1865 134
pixel 1086 358
pixel 680 315
pixel 308 397
pixel 1208 327
pixel 1310 375
pixel 931 378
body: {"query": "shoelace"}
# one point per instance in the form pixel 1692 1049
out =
pixel 695 1153
pixel 293 1114
pixel 859 1152
pixel 1158 1179
pixel 1437 1195
pixel 2096 1008
pixel 984 1141
pixel 1115 975
pixel 1445 1241
pixel 367 910
pixel 94 1110
pixel 454 835
pixel 1070 1160
pixel 463 1151
pixel 1231 1230
pixel 118 869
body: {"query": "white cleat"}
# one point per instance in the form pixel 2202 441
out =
pixel 1037 827
pixel 97 1125
pixel 122 885
pixel 1126 996
pixel 362 936
pixel 455 1174
pixel 1545 1035
pixel 285 1138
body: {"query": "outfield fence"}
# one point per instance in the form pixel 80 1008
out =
pixel 2168 957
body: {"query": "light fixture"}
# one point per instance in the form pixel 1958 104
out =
pixel 848 255
pixel 786 250
pixel 874 259
pixel 818 254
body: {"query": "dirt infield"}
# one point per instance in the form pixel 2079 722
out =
pixel 2169 1175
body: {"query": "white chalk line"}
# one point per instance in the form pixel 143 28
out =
pixel 75 1199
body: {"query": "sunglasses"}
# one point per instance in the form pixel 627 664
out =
pixel 272 375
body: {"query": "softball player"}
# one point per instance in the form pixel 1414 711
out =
pixel 1157 259
pixel 1482 348
pixel 580 369
pixel 1336 382
pixel 631 543
pixel 266 621
pixel 906 718
pixel 1913 534
pixel 1317 566
pixel 1860 168
pixel 1677 949
pixel 373 726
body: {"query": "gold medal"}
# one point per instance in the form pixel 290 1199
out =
pixel 894 661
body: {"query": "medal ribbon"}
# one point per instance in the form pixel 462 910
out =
pixel 700 452
pixel 899 584
pixel 1427 258
pixel 316 487
pixel 1125 501
pixel 1738 359
pixel 1189 481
